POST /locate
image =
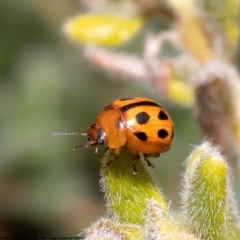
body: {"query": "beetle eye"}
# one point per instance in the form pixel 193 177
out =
pixel 100 141
pixel 101 137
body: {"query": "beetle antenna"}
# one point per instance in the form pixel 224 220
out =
pixel 67 134
pixel 81 145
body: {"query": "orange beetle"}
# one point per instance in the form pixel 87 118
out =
pixel 140 124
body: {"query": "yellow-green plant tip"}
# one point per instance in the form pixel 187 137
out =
pixel 108 229
pixel 194 157
pixel 129 231
pixel 180 92
pixel 104 30
pixel 126 193
pixel 205 196
pixel 159 225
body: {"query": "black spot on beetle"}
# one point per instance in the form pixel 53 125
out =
pixel 137 104
pixel 141 136
pixel 162 115
pixel 124 99
pixel 120 123
pixel 162 133
pixel 142 118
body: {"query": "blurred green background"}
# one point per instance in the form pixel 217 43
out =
pixel 47 86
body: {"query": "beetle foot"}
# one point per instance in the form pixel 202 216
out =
pixel 105 151
pixel 149 163
pixel 135 171
pixel 135 159
pixel 113 159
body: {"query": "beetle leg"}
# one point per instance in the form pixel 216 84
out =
pixel 151 155
pixel 96 151
pixel 113 158
pixel 105 151
pixel 135 159
pixel 106 165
